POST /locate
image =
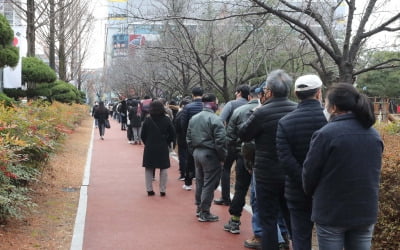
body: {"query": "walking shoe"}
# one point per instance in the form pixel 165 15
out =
pixel 198 212
pixel 187 188
pixel 207 217
pixel 283 246
pixel 221 201
pixel 181 178
pixel 253 243
pixel 232 227
pixel 150 193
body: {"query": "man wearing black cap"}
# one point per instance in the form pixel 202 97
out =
pixel 292 142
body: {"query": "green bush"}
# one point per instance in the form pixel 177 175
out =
pixel 65 92
pixel 29 134
pixel 5 100
pixel 9 55
pixel 15 93
pixel 36 71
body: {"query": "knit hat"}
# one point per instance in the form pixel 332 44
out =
pixel 307 82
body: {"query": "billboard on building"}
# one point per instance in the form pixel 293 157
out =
pixel 120 44
pixel 12 76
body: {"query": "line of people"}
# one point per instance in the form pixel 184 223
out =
pixel 309 163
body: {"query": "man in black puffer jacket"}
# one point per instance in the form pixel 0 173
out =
pixel 292 143
pixel 269 175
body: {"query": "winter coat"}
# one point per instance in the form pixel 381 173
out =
pixel 341 171
pixel 190 110
pixel 229 107
pixel 206 130
pixel 180 134
pixel 293 141
pixel 262 126
pixel 101 114
pixel 239 116
pixel 157 134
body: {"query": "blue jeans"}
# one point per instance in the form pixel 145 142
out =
pixel 350 238
pixel 255 220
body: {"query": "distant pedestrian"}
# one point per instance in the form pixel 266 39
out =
pixel 95 106
pixel 134 121
pixel 101 113
pixel 206 142
pixel 122 110
pixel 342 171
pixel 157 134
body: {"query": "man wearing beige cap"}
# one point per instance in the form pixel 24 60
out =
pixel 292 142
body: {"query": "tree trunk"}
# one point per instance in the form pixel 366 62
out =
pixel 62 65
pixel 30 29
pixel 346 72
pixel 52 38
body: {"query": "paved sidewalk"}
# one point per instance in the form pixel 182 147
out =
pixel 116 213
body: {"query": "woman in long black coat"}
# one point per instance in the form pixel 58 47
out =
pixel 157 134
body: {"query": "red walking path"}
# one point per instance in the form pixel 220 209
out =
pixel 116 213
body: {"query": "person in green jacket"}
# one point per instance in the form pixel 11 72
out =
pixel 206 141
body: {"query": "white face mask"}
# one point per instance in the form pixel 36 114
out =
pixel 327 114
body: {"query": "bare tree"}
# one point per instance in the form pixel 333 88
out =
pixel 318 23
pixel 32 15
pixel 67 36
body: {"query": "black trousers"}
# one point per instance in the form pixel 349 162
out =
pixel 270 199
pixel 190 169
pixel 226 174
pixel 242 184
pixel 302 226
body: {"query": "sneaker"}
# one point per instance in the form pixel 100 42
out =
pixel 207 217
pixel 198 212
pixel 182 178
pixel 283 246
pixel 187 188
pixel 253 243
pixel 232 227
pixel 221 201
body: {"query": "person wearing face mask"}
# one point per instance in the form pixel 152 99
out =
pixel 342 171
pixel 206 142
pixel 292 142
pixel 269 175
